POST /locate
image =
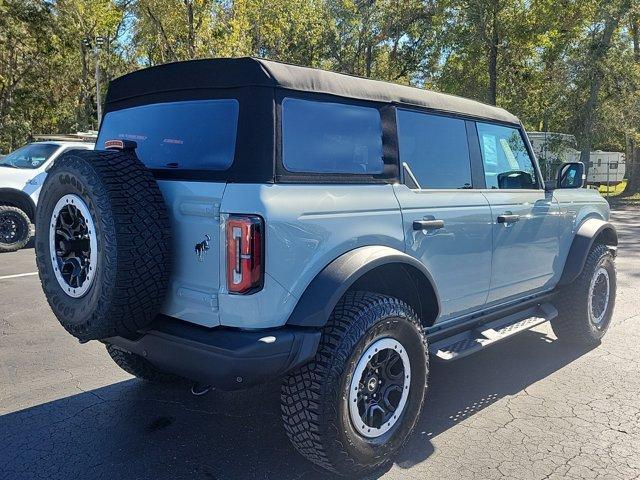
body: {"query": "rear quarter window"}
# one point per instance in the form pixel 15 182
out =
pixel 326 137
pixel 193 135
pixel 435 148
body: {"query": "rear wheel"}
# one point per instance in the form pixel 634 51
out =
pixel 585 307
pixel 15 229
pixel 353 407
pixel 138 366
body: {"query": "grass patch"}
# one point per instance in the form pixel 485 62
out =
pixel 614 190
pixel 615 195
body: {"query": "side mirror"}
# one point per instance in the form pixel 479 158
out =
pixel 570 175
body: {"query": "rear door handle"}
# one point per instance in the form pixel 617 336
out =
pixel 428 224
pixel 508 218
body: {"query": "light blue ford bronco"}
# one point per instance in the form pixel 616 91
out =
pixel 245 221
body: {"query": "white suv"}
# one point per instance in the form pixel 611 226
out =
pixel 22 174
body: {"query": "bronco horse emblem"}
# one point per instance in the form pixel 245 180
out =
pixel 202 248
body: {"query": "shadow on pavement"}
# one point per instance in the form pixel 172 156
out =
pixel 460 389
pixel 137 430
pixel 626 222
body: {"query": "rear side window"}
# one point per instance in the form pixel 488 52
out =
pixel 435 148
pixel 507 164
pixel 194 135
pixel 325 137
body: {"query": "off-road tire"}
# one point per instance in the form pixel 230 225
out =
pixel 24 228
pixel 573 325
pixel 132 229
pixel 138 366
pixel 314 397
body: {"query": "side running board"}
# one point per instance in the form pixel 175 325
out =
pixel 471 341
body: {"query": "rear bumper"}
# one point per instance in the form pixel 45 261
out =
pixel 224 358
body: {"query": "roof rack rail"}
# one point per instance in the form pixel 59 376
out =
pixel 88 136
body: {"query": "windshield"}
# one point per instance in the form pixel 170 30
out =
pixel 30 156
pixel 196 135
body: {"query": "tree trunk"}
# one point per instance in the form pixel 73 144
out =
pixel 368 60
pixel 633 167
pixel 84 102
pixel 168 48
pixel 492 92
pixel 635 35
pixel 589 117
pixel 191 30
pixel 355 68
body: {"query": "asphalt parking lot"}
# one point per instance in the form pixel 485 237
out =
pixel 529 408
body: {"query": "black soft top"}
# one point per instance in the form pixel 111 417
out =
pixel 227 73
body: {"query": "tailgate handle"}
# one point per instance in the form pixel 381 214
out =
pixel 428 224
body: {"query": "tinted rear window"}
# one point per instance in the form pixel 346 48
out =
pixel 325 137
pixel 198 135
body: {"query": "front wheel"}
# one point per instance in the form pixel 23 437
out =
pixel 353 407
pixel 585 307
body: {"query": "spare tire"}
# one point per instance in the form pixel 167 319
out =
pixel 102 243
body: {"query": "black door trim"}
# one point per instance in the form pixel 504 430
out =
pixel 475 154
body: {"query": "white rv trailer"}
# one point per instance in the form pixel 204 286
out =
pixel 606 168
pixel 552 149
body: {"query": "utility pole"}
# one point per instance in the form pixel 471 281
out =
pixel 96 45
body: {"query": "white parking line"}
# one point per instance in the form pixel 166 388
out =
pixel 18 275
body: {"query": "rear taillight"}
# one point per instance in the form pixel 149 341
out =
pixel 245 261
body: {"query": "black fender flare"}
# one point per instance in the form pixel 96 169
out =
pixel 17 198
pixel 588 232
pixel 323 293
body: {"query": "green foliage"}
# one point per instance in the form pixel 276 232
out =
pixel 25 45
pixel 570 66
pixel 295 31
pixel 383 39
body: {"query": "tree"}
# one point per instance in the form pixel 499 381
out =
pixel 383 39
pixel 25 50
pixel 633 136
pixel 609 16
pixel 295 31
pixel 172 30
pixel 569 66
pixel 488 46
pixel 78 23
pixel 485 18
